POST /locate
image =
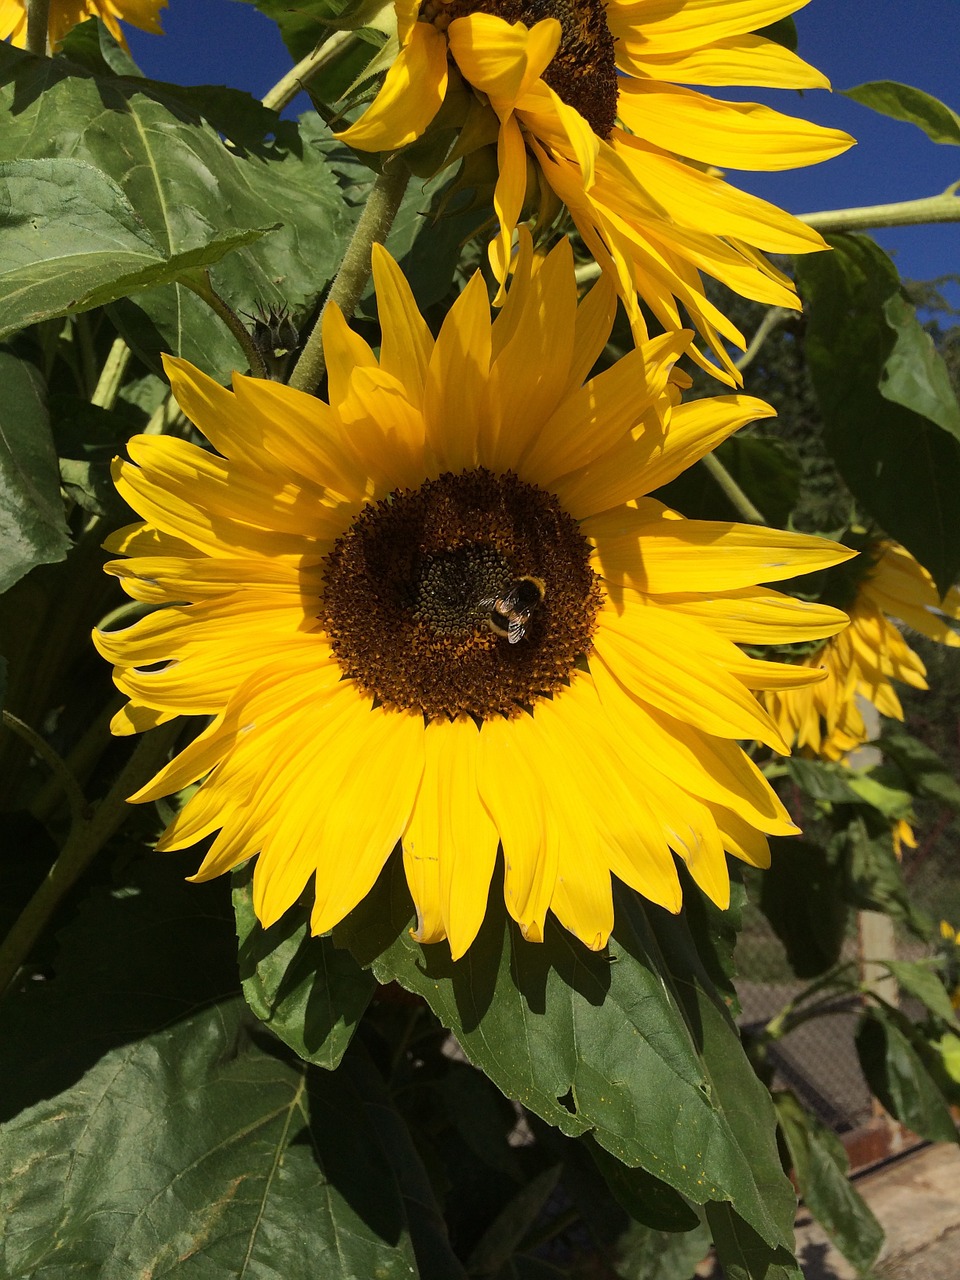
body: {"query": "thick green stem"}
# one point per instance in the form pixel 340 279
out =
pixel 905 213
pixel 298 77
pixel 78 801
pixel 201 285
pixel 38 27
pixel 732 490
pixel 87 837
pixel 111 375
pixel 351 280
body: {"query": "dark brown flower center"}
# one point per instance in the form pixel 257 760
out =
pixel 472 594
pixel 583 73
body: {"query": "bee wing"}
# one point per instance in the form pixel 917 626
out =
pixel 517 629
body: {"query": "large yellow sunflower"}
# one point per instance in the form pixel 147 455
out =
pixel 591 91
pixel 864 660
pixel 67 14
pixel 434 611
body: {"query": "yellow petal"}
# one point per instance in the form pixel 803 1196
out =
pixel 450 844
pixel 456 396
pixel 737 135
pixel 742 60
pixel 412 93
pixel 711 556
pixel 500 59
pixel 671 663
pixel 513 794
pixel 407 341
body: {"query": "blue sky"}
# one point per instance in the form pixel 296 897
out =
pixel 852 41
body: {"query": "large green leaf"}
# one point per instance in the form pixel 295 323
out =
pixel 820 1165
pixel 893 1063
pixel 203 1143
pixel 308 992
pixel 802 895
pixel 187 186
pixel 890 418
pixel 72 241
pixel 192 1137
pixel 743 1254
pixel 904 102
pixel 633 1045
pixel 32 526
pixel 645 1254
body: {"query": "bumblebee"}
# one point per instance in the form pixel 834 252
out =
pixel 512 609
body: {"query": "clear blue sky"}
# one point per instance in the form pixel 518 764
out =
pixel 852 41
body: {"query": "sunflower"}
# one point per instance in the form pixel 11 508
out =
pixel 434 611
pixel 863 661
pixel 67 14
pixel 592 94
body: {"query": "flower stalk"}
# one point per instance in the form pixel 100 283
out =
pixel 372 228
pixel 298 77
pixel 199 282
pixel 903 213
pixel 38 26
pixel 88 834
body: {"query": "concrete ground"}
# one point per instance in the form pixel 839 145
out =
pixel 917 1200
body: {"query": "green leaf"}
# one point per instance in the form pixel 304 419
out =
pixel 201 1142
pixel 899 1077
pixel 602 1043
pixel 802 896
pixel 32 526
pixel 875 877
pixel 915 374
pixel 820 1166
pixel 307 24
pixel 892 802
pixel 922 766
pixel 647 1199
pixel 822 781
pixel 72 241
pixel 191 1133
pixel 307 991
pixel 903 102
pixel 890 430
pixel 743 1254
pixel 783 31
pixel 645 1254
pixel 190 189
pixel 919 980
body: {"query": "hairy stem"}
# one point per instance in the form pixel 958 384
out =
pixel 79 808
pixel 87 837
pixel 905 213
pixel 298 77
pixel 351 280
pixel 38 27
pixel 732 490
pixel 199 282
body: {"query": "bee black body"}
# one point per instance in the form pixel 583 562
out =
pixel 512 609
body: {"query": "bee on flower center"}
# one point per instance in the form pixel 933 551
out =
pixel 512 609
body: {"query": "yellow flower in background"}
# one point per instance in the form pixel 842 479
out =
pixel 864 660
pixel 903 836
pixel 67 14
pixel 591 95
pixel 433 611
